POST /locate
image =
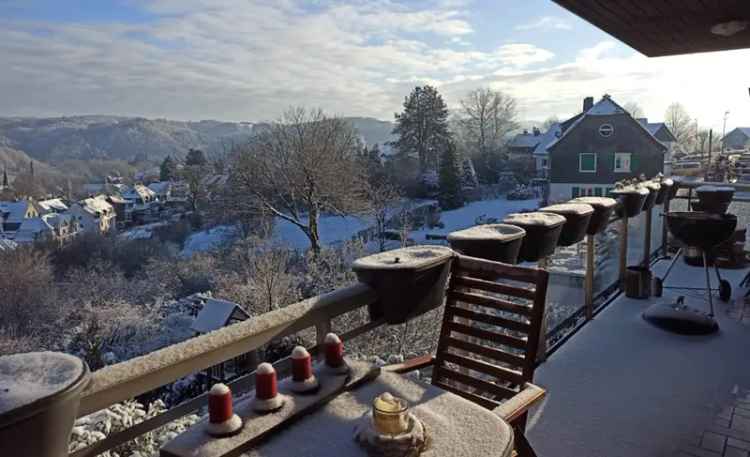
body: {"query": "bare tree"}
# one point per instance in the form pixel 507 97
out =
pixel 382 198
pixel 679 123
pixel 634 109
pixel 549 122
pixel 486 118
pixel 298 168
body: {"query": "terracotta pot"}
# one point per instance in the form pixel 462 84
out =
pixel 577 217
pixel 604 207
pixel 496 242
pixel 542 233
pixel 409 281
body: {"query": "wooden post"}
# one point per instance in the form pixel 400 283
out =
pixel 322 329
pixel 588 284
pixel 623 250
pixel 647 239
pixel 664 235
pixel 541 355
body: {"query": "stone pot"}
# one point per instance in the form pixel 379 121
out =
pixel 604 207
pixel 632 199
pixel 40 405
pixel 409 281
pixel 496 242
pixel 542 233
pixel 577 217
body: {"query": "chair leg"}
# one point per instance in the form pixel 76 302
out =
pixel 523 448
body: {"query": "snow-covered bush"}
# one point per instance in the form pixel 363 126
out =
pixel 95 427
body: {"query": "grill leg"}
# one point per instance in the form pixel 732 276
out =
pixel 708 284
pixel 671 264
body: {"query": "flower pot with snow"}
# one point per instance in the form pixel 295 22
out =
pixel 665 189
pixel 632 199
pixel 714 199
pixel 496 242
pixel 542 233
pixel 604 207
pixel 577 217
pixel 39 397
pixel 653 192
pixel 409 281
pixel 672 187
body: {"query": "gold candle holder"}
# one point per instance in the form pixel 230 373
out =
pixel 390 414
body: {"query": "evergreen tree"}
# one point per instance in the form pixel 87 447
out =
pixel 451 195
pixel 5 177
pixel 422 127
pixel 195 157
pixel 168 169
pixel 31 168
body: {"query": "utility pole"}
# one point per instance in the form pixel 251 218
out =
pixel 724 130
pixel 710 145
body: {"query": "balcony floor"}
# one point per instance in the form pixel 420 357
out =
pixel 622 387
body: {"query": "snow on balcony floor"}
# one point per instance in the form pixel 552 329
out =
pixel 622 387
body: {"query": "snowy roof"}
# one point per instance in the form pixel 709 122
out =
pixel 53 205
pixel 554 131
pixel 745 130
pixel 160 187
pixel 604 107
pixel 525 140
pixel 96 206
pixel 216 314
pixel 138 190
pixel 57 219
pixel 15 211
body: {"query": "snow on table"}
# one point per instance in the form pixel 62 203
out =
pixel 456 427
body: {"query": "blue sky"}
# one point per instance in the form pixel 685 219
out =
pixel 249 60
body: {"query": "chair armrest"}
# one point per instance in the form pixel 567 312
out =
pixel 417 363
pixel 514 407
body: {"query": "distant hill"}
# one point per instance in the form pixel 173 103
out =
pixel 55 140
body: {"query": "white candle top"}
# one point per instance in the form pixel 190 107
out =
pixel 332 338
pixel 219 389
pixel 299 352
pixel 265 368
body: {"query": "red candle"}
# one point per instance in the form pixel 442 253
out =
pixel 301 364
pixel 265 382
pixel 219 404
pixel 334 349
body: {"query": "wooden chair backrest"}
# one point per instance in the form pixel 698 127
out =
pixel 489 338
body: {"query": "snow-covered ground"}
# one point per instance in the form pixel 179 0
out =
pixel 208 240
pixel 466 217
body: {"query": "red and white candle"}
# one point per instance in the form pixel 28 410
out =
pixel 301 364
pixel 334 350
pixel 266 385
pixel 221 418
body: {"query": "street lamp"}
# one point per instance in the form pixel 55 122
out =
pixel 724 130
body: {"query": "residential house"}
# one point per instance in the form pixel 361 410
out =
pixel 541 157
pixel 141 196
pixel 12 215
pixel 123 209
pixel 94 214
pixel 523 144
pixel 661 132
pixel 601 145
pixel 162 189
pixel 738 138
pixel 53 205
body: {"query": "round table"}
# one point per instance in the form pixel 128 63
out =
pixel 455 426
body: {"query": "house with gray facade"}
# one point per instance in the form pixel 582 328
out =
pixel 738 138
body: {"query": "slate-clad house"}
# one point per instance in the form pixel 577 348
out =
pixel 738 138
pixel 523 144
pixel 601 145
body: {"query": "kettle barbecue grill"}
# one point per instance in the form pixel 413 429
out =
pixel 703 231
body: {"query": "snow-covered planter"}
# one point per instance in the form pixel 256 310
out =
pixel 632 199
pixel 39 397
pixel 542 233
pixel 604 207
pixel 496 242
pixel 577 217
pixel 654 188
pixel 409 281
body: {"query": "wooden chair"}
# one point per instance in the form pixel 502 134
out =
pixel 487 349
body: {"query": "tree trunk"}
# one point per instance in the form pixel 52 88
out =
pixel 312 231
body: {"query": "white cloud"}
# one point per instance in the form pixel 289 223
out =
pixel 546 23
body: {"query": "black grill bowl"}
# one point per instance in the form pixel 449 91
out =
pixel 700 229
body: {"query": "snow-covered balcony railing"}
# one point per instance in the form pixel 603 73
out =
pixel 125 380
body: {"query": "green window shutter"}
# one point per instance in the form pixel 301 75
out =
pixel 587 162
pixel 575 192
pixel 634 164
pixel 598 191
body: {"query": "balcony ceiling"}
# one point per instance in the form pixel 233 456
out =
pixel 666 27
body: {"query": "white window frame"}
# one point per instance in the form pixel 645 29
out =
pixel 580 162
pixel 630 162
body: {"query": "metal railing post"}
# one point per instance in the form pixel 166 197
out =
pixel 623 250
pixel 589 278
pixel 647 239
pixel 664 235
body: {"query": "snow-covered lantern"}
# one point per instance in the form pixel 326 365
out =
pixel 409 281
pixel 577 217
pixel 496 242
pixel 39 397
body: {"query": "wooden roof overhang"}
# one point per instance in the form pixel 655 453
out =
pixel 668 27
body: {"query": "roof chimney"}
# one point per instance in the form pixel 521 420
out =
pixel 536 131
pixel 588 103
